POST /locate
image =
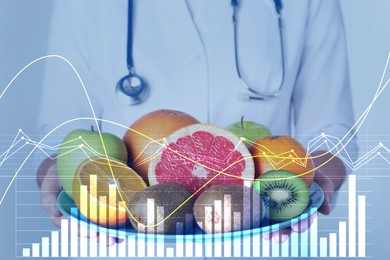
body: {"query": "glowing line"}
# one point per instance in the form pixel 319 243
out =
pixel 359 122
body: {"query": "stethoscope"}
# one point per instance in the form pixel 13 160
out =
pixel 133 90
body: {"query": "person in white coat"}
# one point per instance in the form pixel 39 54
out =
pixel 186 52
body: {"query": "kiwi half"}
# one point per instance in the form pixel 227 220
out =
pixel 285 195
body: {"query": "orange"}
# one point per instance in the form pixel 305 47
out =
pixel 156 125
pixel 292 155
pixel 101 197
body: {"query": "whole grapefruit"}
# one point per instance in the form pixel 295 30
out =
pixel 282 153
pixel 201 156
pixel 156 125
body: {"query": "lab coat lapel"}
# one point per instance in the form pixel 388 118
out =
pixel 182 22
pixel 188 58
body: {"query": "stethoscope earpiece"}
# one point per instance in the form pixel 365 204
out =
pixel 131 90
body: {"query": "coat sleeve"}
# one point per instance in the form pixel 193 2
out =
pixel 63 97
pixel 322 101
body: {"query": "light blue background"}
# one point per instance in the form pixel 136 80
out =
pixel 23 37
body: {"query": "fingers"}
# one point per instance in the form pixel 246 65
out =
pixel 304 225
pixel 278 236
pixel 329 189
pixel 86 233
pixel 281 235
pixel 50 188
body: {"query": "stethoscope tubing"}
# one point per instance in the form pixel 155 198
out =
pixel 132 89
pixel 254 94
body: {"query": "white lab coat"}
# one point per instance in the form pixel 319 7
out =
pixel 186 55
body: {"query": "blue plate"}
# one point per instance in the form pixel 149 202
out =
pixel 65 204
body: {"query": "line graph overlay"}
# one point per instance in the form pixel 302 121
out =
pixel 358 123
pixel 22 140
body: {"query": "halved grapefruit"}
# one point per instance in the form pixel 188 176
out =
pixel 156 125
pixel 200 156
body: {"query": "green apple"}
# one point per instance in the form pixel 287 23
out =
pixel 81 144
pixel 249 130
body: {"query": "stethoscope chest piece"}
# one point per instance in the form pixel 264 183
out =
pixel 131 90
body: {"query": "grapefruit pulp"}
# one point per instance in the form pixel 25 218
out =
pixel 197 153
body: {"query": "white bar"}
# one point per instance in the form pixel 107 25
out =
pixel 275 246
pixel 247 245
pixel 93 211
pixel 332 244
pixel 227 212
pixel 122 249
pixel 84 241
pixel 256 240
pixel 122 245
pixel 217 214
pixel 102 245
pixel 227 225
pixel 54 244
pixel 189 237
pixel 93 245
pixel 151 227
pixel 85 229
pixel 131 246
pixel 294 241
pixel 208 251
pixel 198 249
pixel 285 247
pixel 102 223
pixel 150 215
pixel 352 215
pixel 227 245
pixel 141 241
pixel 170 252
pixel 265 247
pixel 112 251
pixel 246 218
pixel 45 247
pixel 189 246
pixel 217 228
pixel 362 226
pixel 237 236
pixel 26 252
pixel 342 239
pixel 304 244
pixel 64 237
pixel 218 247
pixel 113 214
pixel 314 238
pixel 74 235
pixel 179 239
pixel 160 243
pixel 199 245
pixel 35 250
pixel 323 247
pixel 208 226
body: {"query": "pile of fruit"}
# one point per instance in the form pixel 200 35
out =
pixel 169 168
